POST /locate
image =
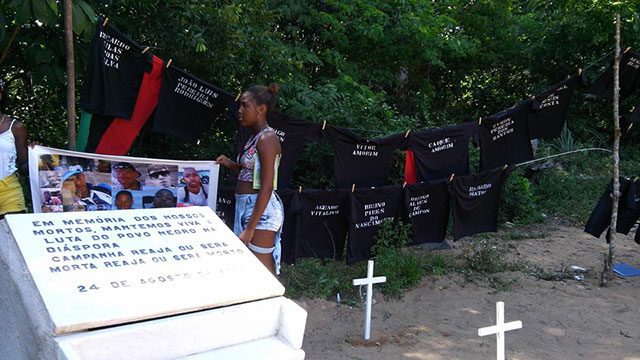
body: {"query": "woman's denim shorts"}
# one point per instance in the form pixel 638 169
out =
pixel 271 219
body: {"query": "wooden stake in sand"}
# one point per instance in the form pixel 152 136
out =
pixel 500 328
pixel 369 281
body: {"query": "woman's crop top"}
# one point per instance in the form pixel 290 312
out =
pixel 248 157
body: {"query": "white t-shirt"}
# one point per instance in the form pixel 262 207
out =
pixel 8 153
pixel 194 199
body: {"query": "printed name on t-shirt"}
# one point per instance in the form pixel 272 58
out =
pixel 551 100
pixel 224 201
pixel 634 63
pixel 375 221
pixel 475 191
pixel 280 134
pixel 440 145
pixel 113 48
pixel 194 91
pixel 373 211
pixel 325 210
pixel 416 203
pixel 502 128
pixel 365 150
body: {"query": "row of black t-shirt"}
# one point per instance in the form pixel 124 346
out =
pixel 503 139
pixel 319 222
pixel 187 106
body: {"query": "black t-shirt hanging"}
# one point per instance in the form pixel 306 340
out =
pixel 600 217
pixel 438 153
pixel 114 74
pixel 628 213
pixel 476 199
pixel 361 161
pixel 504 138
pixel 427 207
pixel 293 132
pixel 288 234
pixel 187 105
pixel 322 223
pixel 367 209
pixel 226 205
pixel 629 78
pixel 549 109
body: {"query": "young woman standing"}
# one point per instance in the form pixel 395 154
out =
pixel 259 210
pixel 13 158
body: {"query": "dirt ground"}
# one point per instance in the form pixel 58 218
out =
pixel 439 319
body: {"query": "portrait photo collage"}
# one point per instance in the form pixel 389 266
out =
pixel 66 182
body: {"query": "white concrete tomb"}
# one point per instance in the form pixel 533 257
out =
pixel 139 284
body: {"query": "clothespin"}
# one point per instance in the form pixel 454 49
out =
pixel 579 72
pixel 105 22
pixel 451 177
pixel 404 184
pixel 353 187
pixel 480 120
pixel 145 49
pixel 237 97
pixel 407 133
pixel 324 124
pixel 169 63
pixel 627 49
pixel 299 189
pixel 505 167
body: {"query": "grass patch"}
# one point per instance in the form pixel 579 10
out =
pixel 403 266
pixel 521 235
pixel 479 261
pixel 319 278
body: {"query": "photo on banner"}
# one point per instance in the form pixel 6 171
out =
pixel 66 180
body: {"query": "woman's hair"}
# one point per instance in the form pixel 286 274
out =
pixel 265 95
pixel 3 91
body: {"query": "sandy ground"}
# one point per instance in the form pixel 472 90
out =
pixel 440 318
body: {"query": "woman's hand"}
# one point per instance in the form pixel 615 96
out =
pixel 246 235
pixel 228 163
pixel 223 160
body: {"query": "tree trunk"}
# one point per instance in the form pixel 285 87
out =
pixel 5 52
pixel 71 74
pixel 607 273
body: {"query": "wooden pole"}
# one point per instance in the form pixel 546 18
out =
pixel 71 74
pixel 607 273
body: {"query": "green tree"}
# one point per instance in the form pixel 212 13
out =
pixel 33 58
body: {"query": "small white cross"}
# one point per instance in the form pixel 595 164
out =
pixel 500 328
pixel 369 281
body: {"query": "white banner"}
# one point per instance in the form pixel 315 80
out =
pixel 63 180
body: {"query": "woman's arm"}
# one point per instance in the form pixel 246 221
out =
pixel 20 134
pixel 268 147
pixel 228 163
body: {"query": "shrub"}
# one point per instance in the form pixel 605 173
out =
pixel 402 267
pixel 518 202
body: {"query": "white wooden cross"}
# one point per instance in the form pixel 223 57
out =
pixel 500 328
pixel 369 281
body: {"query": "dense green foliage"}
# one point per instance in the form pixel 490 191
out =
pixel 379 66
